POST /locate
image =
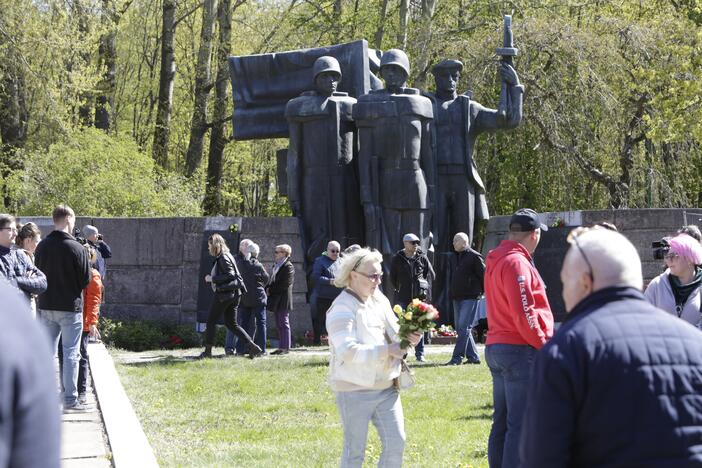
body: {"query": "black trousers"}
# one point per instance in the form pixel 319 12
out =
pixel 319 319
pixel 229 309
pixel 84 363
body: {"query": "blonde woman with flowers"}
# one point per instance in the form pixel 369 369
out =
pixel 365 360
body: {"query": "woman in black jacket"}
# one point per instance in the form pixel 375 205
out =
pixel 280 295
pixel 227 285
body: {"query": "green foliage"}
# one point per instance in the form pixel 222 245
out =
pixel 612 113
pixel 142 335
pixel 272 412
pixel 100 175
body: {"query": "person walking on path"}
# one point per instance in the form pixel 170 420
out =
pixel 324 292
pixel 228 286
pixel 253 301
pixel 619 384
pixel 280 295
pixel 678 290
pixel 410 272
pixel 92 297
pixel 467 276
pixel 60 309
pixel 365 360
pixel 521 322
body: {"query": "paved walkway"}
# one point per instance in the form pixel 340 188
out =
pixel 83 439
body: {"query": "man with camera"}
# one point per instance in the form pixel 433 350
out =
pixel 94 238
pixel 410 270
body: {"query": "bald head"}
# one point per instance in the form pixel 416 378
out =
pixel 599 259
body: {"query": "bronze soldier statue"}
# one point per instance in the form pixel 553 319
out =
pixel 458 120
pixel 396 168
pixel 322 180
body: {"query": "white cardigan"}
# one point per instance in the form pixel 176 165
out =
pixel 660 294
pixel 359 348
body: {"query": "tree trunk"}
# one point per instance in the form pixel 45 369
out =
pixel 404 19
pixel 212 204
pixel 105 100
pixel 165 84
pixel 13 118
pixel 198 127
pixel 380 32
pixel 425 36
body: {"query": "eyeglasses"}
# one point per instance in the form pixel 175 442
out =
pixel 333 251
pixel 11 229
pixel 670 256
pixel 573 239
pixel 278 251
pixel 375 277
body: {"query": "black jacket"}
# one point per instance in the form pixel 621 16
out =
pixel 102 251
pixel 255 279
pixel 405 273
pixel 280 288
pixel 619 384
pixel 66 266
pixel 226 279
pixel 467 274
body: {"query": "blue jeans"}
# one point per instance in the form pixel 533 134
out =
pixel 246 317
pixel 510 366
pixel 69 327
pixel 384 409
pixel 464 314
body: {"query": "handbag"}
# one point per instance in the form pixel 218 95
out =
pixel 423 288
pixel 406 379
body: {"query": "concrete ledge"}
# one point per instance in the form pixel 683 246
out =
pixel 129 445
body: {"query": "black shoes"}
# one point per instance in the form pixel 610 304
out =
pixel 472 361
pixel 205 355
pixel 453 363
pixel 254 350
pixel 278 352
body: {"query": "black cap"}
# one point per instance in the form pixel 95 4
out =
pixel 526 220
pixel 448 64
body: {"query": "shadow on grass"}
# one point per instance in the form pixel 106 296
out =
pixel 473 417
pixel 166 360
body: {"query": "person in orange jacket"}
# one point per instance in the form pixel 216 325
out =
pixel 92 297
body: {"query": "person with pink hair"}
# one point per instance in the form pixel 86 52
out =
pixel 678 290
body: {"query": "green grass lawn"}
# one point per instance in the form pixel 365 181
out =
pixel 279 411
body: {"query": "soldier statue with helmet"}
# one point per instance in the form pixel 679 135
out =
pixel 396 169
pixel 322 173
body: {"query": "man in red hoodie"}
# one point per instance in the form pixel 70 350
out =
pixel 521 322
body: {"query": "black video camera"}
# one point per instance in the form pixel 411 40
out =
pixel 660 248
pixel 79 238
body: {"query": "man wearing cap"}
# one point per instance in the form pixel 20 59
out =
pixel 458 120
pixel 521 322
pixel 103 250
pixel 322 181
pixel 395 158
pixel 410 273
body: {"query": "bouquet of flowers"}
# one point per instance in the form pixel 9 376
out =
pixel 417 317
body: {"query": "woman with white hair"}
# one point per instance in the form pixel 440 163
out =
pixel 253 301
pixel 365 360
pixel 678 290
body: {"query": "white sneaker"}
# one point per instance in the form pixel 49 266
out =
pixel 77 407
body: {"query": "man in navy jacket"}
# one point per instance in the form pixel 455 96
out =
pixel 620 383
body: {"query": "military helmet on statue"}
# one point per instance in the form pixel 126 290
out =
pixel 395 57
pixel 326 64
